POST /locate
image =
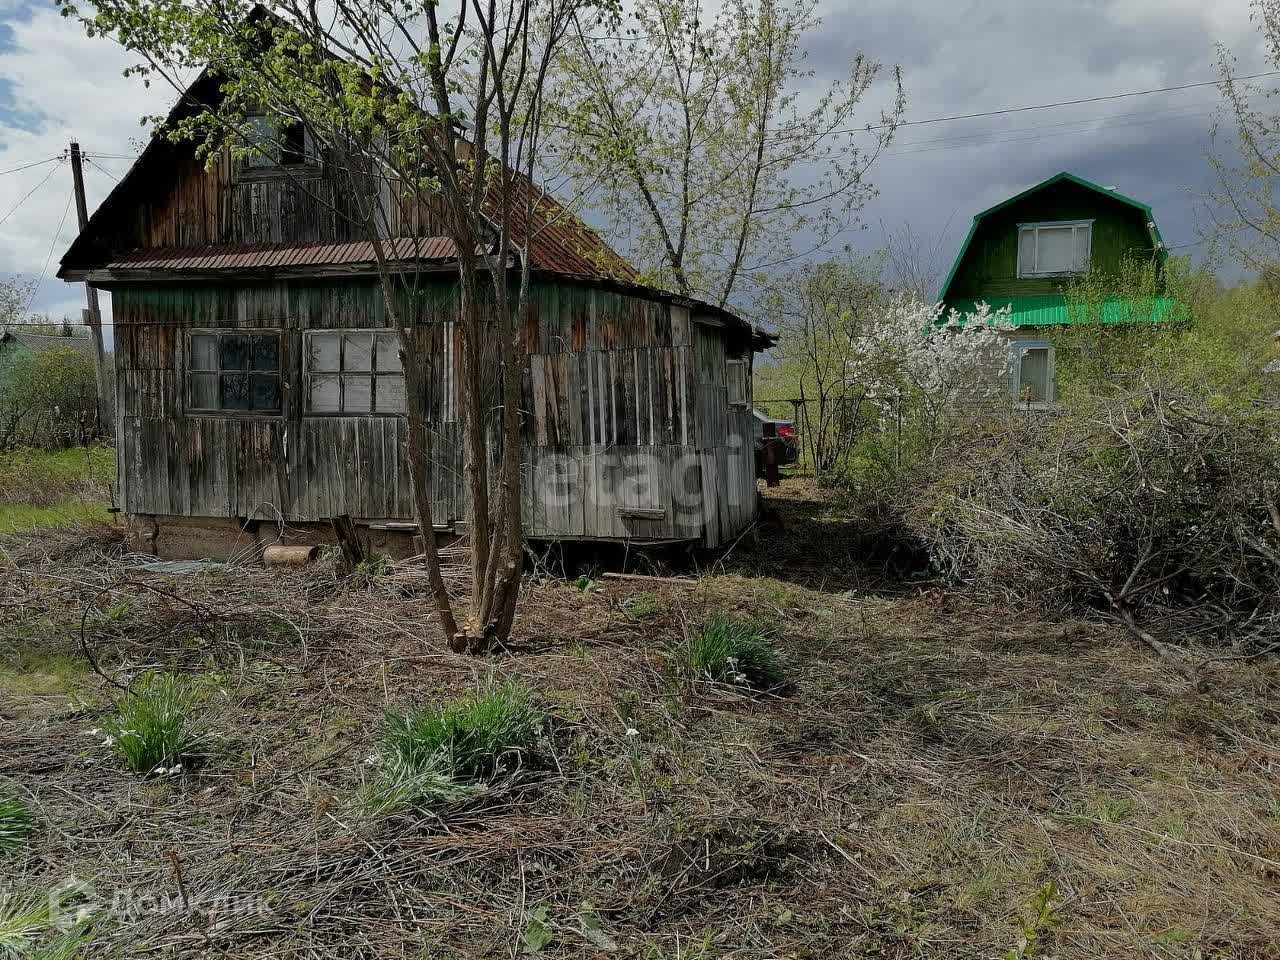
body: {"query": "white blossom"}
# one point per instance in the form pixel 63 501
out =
pixel 926 348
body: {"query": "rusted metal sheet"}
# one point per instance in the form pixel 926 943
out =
pixel 264 256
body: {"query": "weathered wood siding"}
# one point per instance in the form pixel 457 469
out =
pixel 725 439
pixel 627 430
pixel 295 465
pixel 222 202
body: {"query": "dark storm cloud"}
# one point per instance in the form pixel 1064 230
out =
pixel 963 57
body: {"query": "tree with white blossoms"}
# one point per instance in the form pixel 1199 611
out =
pixel 921 361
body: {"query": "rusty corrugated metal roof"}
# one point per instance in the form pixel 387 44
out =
pixel 559 242
pixel 557 238
pixel 268 256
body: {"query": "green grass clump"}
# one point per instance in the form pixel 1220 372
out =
pixel 152 729
pixel 739 652
pixel 442 754
pixel 645 606
pixel 372 569
pixel 37 925
pixel 16 821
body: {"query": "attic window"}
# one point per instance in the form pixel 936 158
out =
pixel 1054 249
pixel 275 144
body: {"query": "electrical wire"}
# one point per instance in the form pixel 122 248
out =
pixel 984 113
pixel 1139 115
pixel 101 169
pixel 1027 139
pixel 1060 103
pixel 27 197
pixel 45 269
pixel 33 163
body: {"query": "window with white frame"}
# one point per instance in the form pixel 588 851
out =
pixel 1032 375
pixel 1054 249
pixel 234 370
pixel 736 380
pixel 353 371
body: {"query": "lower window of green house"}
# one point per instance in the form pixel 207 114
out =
pixel 1034 372
pixel 353 372
pixel 233 371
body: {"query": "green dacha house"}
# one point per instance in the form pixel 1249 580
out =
pixel 1024 251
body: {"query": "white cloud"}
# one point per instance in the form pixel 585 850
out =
pixel 61 86
pixel 959 56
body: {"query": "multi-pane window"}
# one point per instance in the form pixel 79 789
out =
pixel 354 371
pixel 1033 373
pixel 736 380
pixel 1052 249
pixel 275 143
pixel 234 371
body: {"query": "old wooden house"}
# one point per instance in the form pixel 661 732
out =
pixel 1023 253
pixel 259 387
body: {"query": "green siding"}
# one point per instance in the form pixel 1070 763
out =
pixel 988 264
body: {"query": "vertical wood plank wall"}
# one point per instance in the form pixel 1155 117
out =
pixel 627 433
pixel 192 203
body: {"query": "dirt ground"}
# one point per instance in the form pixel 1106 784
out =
pixel 941 779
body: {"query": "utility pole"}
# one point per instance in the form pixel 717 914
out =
pixel 92 316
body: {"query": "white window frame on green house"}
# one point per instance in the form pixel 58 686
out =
pixel 364 387
pixel 1017 353
pixel 1081 247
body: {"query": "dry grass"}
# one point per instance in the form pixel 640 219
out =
pixel 934 766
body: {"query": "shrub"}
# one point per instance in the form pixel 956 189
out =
pixel 16 821
pixel 441 754
pixel 152 728
pixel 1146 500
pixel 729 650
pixel 47 398
pixel 371 569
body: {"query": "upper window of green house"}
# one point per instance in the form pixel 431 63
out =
pixel 1054 248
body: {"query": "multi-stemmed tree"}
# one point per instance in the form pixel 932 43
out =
pixel 712 150
pixel 411 104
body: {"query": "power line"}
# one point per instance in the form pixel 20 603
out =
pixel 945 144
pixel 1060 103
pixel 1139 115
pixel 1208 239
pixel 27 197
pixel 45 269
pixel 99 167
pixel 1004 111
pixel 33 163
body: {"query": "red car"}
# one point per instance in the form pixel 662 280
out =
pixel 785 442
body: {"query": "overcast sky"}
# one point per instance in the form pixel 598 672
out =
pixel 957 56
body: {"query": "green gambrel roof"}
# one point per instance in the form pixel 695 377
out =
pixel 1154 230
pixel 1052 310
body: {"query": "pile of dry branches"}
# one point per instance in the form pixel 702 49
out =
pixel 1146 505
